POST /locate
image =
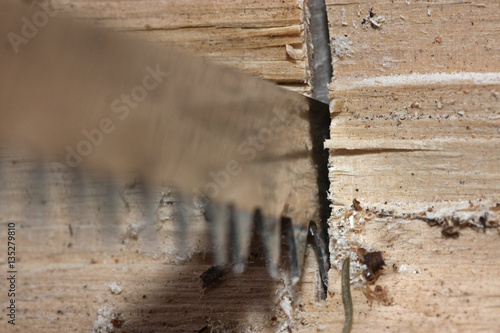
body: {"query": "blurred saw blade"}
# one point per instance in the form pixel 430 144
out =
pixel 85 97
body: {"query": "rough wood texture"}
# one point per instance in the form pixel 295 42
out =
pixel 415 136
pixel 65 287
pixel 444 285
pixel 83 267
pixel 404 37
pixel 249 35
pixel 73 255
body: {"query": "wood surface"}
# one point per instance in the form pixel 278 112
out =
pixel 249 35
pixel 75 251
pixel 381 134
pixel 415 138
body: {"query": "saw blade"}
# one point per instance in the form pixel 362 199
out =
pixel 85 97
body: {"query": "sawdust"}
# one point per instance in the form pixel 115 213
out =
pixel 407 269
pixel 103 323
pixel 480 215
pixel 115 288
pixel 341 46
pixel 346 227
pixel 288 306
pixel 373 20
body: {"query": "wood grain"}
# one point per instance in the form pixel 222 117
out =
pixel 415 136
pixel 71 248
pixel 413 37
pixel 454 287
pixel 76 237
pixel 249 35
pixel 382 134
pixel 416 142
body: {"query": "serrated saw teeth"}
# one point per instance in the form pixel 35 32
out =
pixel 237 139
pixel 242 229
pixel 232 232
pixel 182 223
pixel 320 249
pixel 269 232
pixel 218 217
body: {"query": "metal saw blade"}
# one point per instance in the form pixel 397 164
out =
pixel 85 97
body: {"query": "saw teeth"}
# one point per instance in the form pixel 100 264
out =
pixel 78 195
pixel 38 191
pixel 149 237
pixel 109 223
pixel 232 229
pixel 269 231
pixel 321 256
pixel 296 237
pixel 300 235
pixel 147 201
pixel 241 234
pixel 182 226
pixel 110 198
pixel 219 219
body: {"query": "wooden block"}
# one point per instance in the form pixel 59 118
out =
pixel 415 137
pixel 82 270
pixel 431 283
pixel 370 38
pixel 75 274
pixel 248 35
pixel 443 129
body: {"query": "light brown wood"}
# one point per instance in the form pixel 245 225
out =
pixel 413 37
pixel 249 35
pixel 73 255
pixel 65 287
pixel 444 285
pixel 415 137
pixel 80 265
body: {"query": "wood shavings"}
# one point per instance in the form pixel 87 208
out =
pixel 286 306
pixel 357 205
pixel 289 307
pixel 479 215
pixel 344 23
pixel 346 226
pixel 407 269
pixel 294 53
pixel 377 22
pixel 373 19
